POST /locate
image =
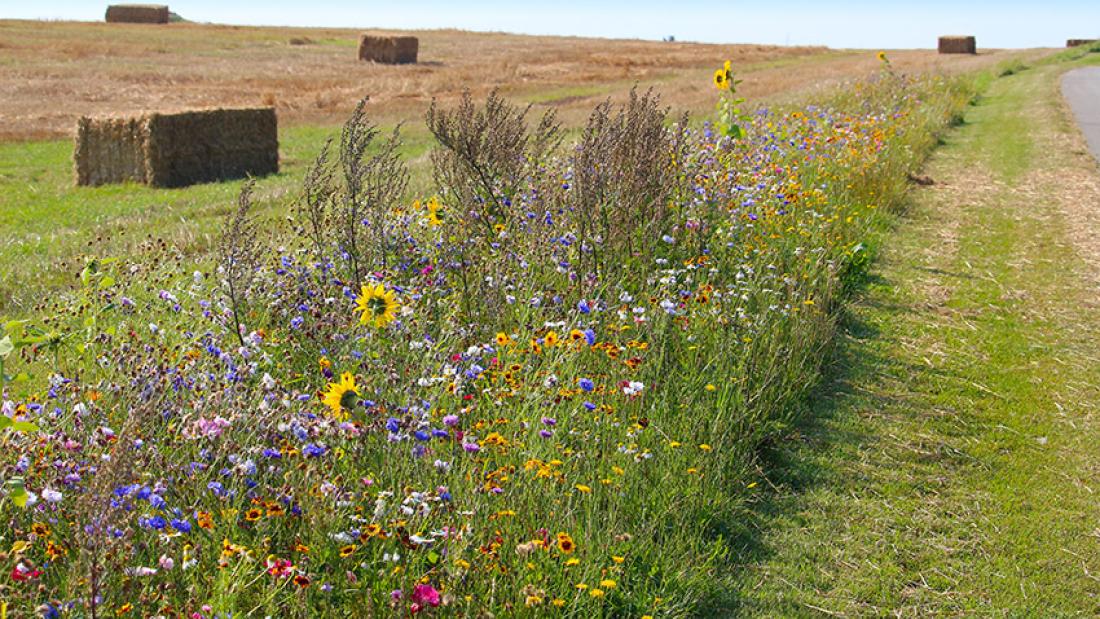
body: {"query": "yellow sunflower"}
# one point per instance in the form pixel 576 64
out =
pixel 341 397
pixel 377 305
pixel 435 210
pixel 723 78
pixel 882 57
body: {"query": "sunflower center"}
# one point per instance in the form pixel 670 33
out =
pixel 377 306
pixel 348 399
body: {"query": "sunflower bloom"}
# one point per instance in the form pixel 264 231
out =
pixel 377 306
pixel 341 397
pixel 435 210
pixel 723 78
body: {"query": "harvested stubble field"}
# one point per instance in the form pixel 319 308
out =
pixel 122 68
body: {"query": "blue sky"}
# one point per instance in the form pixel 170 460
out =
pixel 850 23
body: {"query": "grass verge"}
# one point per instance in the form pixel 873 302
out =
pixel 948 466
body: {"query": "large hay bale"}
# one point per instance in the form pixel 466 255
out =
pixel 1080 42
pixel 388 50
pixel 958 45
pixel 173 150
pixel 137 14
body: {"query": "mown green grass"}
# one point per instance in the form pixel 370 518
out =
pixel 949 464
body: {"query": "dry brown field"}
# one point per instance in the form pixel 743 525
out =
pixel 53 72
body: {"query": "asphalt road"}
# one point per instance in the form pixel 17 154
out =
pixel 1081 88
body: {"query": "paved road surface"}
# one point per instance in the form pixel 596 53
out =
pixel 1081 88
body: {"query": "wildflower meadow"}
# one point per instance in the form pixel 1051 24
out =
pixel 535 390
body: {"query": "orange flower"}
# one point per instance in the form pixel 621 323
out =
pixel 565 543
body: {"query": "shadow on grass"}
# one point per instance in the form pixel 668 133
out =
pixel 805 457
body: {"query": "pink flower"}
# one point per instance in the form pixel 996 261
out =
pixel 211 428
pixel 425 595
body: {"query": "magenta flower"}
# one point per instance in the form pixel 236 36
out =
pixel 425 595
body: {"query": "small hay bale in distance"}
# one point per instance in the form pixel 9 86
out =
pixel 1080 42
pixel 388 50
pixel 138 14
pixel 178 149
pixel 958 45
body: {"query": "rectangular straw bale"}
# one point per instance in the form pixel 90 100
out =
pixel 388 50
pixel 137 14
pixel 174 150
pixel 110 150
pixel 1080 42
pixel 958 45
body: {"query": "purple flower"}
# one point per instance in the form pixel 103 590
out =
pixel 586 384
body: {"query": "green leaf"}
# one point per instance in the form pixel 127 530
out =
pixel 6 346
pixel 17 493
pixel 5 422
pixel 24 426
pixel 107 282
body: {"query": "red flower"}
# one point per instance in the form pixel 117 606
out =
pixel 22 573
